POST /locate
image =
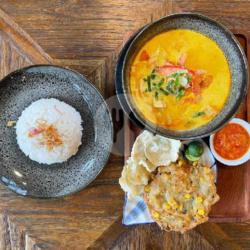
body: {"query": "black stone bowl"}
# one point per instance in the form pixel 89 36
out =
pixel 208 27
pixel 26 177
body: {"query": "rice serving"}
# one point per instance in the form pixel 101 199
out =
pixel 49 131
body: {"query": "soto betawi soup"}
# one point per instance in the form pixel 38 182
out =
pixel 180 80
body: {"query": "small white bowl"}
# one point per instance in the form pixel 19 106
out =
pixel 238 161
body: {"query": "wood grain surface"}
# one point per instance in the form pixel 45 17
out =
pixel 87 36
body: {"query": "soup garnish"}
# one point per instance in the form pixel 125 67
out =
pixel 171 79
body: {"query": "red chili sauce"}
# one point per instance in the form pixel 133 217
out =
pixel 231 142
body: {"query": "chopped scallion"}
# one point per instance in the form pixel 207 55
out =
pixel 149 83
pixel 156 95
pixel 198 114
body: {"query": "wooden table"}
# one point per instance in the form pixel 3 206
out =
pixel 87 36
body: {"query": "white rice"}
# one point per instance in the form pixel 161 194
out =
pixel 63 117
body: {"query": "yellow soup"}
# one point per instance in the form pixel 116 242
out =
pixel 180 80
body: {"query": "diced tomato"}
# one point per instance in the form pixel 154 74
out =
pixel 196 89
pixel 168 70
pixel 199 82
pixel 191 72
pixel 177 66
pixel 144 56
pixel 196 84
pixel 206 81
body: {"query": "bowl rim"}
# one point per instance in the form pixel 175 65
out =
pixel 237 161
pixel 9 75
pixel 156 129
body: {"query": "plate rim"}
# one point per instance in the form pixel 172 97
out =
pixel 9 75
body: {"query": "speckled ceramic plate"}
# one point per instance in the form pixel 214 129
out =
pixel 208 27
pixel 26 177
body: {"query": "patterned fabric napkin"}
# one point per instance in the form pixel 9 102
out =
pixel 135 210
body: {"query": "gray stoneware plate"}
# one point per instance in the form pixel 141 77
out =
pixel 26 177
pixel 208 27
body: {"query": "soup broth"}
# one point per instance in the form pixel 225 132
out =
pixel 180 80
